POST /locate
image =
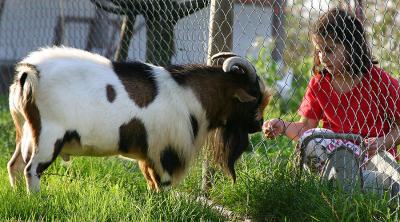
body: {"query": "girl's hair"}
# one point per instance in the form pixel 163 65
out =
pixel 343 27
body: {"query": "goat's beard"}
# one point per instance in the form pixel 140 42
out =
pixel 231 141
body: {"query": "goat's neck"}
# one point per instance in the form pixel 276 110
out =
pixel 212 87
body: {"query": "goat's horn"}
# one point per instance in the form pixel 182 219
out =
pixel 223 55
pixel 242 63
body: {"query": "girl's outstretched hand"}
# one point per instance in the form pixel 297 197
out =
pixel 273 127
pixel 374 144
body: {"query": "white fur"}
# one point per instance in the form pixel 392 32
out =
pixel 71 95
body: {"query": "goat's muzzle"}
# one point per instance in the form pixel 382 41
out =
pixel 256 126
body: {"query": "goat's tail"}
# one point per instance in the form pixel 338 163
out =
pixel 22 92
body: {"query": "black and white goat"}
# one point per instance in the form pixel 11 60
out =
pixel 66 101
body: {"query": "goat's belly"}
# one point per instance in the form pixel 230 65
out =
pixel 75 149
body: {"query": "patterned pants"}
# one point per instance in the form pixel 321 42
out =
pixel 340 160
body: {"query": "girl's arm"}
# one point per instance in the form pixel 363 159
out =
pixel 293 130
pixel 391 139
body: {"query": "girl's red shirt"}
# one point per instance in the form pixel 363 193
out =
pixel 369 109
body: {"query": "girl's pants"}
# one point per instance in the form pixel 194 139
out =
pixel 342 161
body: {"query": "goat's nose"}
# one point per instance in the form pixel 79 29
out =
pixel 256 126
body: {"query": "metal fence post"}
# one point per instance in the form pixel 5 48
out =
pixel 220 40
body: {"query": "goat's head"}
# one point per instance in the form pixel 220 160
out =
pixel 249 97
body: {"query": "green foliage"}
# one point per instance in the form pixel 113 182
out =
pixel 7 133
pixel 267 68
pixel 383 22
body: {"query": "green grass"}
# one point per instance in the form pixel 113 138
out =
pixel 268 188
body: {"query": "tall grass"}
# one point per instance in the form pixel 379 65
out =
pixel 268 188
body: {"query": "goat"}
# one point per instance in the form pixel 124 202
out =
pixel 66 101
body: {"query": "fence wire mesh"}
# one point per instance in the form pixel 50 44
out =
pixel 275 36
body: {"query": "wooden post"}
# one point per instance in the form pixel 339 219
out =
pixel 278 30
pixel 220 36
pixel 126 37
pixel 219 40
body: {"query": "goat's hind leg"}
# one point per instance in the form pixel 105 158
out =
pixel 149 175
pixel 16 166
pixel 17 163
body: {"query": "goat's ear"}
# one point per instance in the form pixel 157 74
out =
pixel 243 96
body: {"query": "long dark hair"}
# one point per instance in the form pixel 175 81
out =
pixel 343 27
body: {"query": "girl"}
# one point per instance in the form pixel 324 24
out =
pixel 349 95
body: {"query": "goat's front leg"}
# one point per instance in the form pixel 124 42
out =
pixel 49 146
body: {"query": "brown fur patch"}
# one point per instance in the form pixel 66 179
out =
pixel 233 119
pixel 30 110
pixel 133 138
pixel 138 81
pixel 17 119
pixel 33 117
pixel 266 97
pixel 111 94
pixel 213 87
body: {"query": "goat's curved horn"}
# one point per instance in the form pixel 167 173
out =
pixel 242 63
pixel 223 55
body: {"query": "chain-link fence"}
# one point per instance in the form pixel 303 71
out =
pixel 275 36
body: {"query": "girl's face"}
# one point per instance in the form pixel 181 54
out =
pixel 331 55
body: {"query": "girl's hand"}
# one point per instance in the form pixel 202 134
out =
pixel 374 144
pixel 273 127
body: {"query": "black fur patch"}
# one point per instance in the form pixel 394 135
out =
pixel 111 94
pixel 68 137
pixel 170 160
pixel 133 137
pixel 195 126
pixel 138 80
pixel 23 79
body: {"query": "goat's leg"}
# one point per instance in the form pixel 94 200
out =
pixel 149 175
pixel 49 146
pixel 16 165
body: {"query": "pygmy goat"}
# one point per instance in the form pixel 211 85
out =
pixel 66 101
